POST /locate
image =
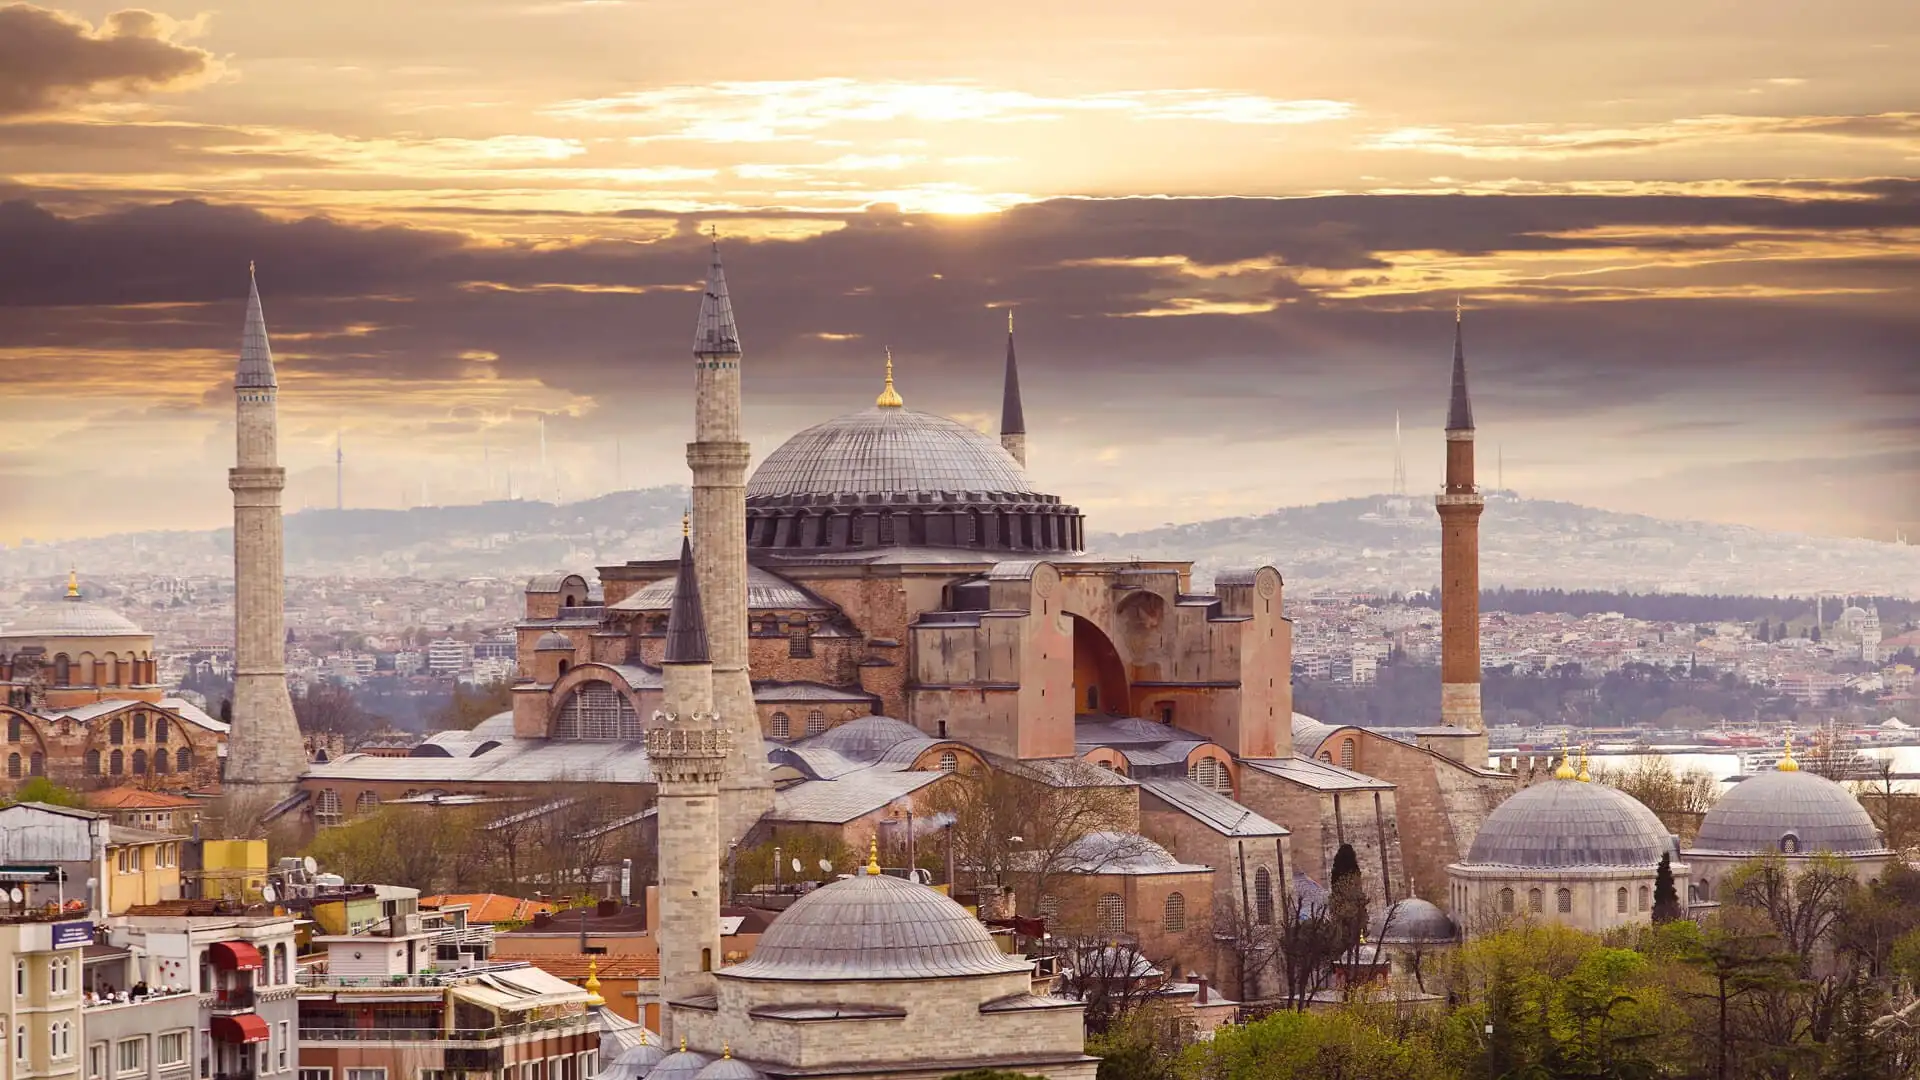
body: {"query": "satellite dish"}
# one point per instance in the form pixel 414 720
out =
pixel 268 894
pixel 311 866
pixel 14 894
pixel 826 866
pixel 797 868
pixel 922 876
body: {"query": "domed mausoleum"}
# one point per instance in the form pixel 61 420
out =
pixel 78 652
pixel 879 976
pixel 1567 850
pixel 1787 812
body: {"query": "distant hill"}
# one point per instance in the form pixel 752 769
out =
pixel 1369 544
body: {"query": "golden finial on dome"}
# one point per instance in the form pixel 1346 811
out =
pixel 889 397
pixel 683 1044
pixel 1565 771
pixel 1787 764
pixel 73 582
pixel 726 1050
pixel 1585 777
pixel 686 523
pixel 592 985
pixel 873 857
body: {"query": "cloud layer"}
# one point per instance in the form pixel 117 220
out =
pixel 50 59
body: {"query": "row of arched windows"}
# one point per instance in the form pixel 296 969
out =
pixel 116 762
pixel 109 670
pixel 780 725
pixel 326 806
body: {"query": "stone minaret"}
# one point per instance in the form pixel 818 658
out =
pixel 718 458
pixel 1013 419
pixel 688 750
pixel 264 748
pixel 1460 506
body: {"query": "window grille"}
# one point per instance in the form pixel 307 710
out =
pixel 596 712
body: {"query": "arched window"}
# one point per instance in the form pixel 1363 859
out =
pixel 816 722
pixel 183 760
pixel 1790 844
pixel 93 763
pixel 1093 699
pixel 1175 920
pixel 781 725
pixel 160 765
pixel 160 730
pixel 1535 901
pixel 1643 898
pixel 799 640
pixel 326 807
pixel 1112 912
pixel 1211 774
pixel 62 669
pixel 139 727
pixel 1326 756
pixel 1620 900
pixel 116 731
pixel 139 763
pixel 37 764
pixel 1049 907
pixel 1506 901
pixel 949 761
pixel 117 763
pixel 1563 901
pixel 280 964
pixel 1346 752
pixel 13 765
pixel 13 729
pixel 596 712
pixel 366 801
pixel 1263 896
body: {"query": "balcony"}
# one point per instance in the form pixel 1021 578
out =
pixel 234 999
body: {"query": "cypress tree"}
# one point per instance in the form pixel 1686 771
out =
pixel 1666 898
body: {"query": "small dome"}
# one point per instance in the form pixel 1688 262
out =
pixel 71 617
pixel 1313 895
pixel 887 451
pixel 634 1063
pixel 729 1068
pixel 1104 852
pixel 1567 823
pixel 1413 921
pixel 553 641
pixel 871 926
pixel 1758 813
pixel 684 1065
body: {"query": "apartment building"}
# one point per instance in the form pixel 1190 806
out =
pixel 42 956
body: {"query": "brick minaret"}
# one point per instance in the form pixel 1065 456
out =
pixel 687 748
pixel 718 458
pixel 1013 418
pixel 264 748
pixel 1460 506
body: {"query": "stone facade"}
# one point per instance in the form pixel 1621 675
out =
pixel 1596 900
pixel 120 744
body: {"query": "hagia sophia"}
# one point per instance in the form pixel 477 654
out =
pixel 888 604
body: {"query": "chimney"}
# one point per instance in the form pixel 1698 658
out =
pixel 607 908
pixel 1200 996
pixel 542 920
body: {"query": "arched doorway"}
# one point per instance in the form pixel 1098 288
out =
pixel 1099 678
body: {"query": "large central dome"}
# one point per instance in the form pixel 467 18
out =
pixel 886 451
pixel 890 478
pixel 1569 823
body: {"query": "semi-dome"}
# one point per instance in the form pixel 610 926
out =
pixel 1788 811
pixel 1569 824
pixel 871 926
pixel 553 641
pixel 71 617
pixel 1413 921
pixel 888 451
pixel 890 477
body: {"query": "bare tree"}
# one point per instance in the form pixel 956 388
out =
pixel 1801 907
pixel 1678 799
pixel 1113 978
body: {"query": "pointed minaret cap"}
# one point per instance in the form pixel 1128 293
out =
pixel 1460 408
pixel 256 356
pixel 686 625
pixel 715 335
pixel 1013 418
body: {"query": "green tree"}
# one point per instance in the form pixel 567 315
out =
pixel 42 790
pixel 1310 1046
pixel 1857 1049
pixel 1666 896
pixel 432 849
pixel 993 1074
pixel 472 704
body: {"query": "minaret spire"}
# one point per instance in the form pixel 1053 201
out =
pixel 1462 734
pixel 718 457
pixel 264 750
pixel 686 622
pixel 1013 418
pixel 889 397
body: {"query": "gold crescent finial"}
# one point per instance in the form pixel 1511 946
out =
pixel 73 581
pixel 1456 307
pixel 1787 764
pixel 592 985
pixel 726 1050
pixel 686 523
pixel 1585 777
pixel 1565 771
pixel 249 267
pixel 1009 320
pixel 873 856
pixel 889 397
pixel 683 1044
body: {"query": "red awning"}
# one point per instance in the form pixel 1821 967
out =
pixel 235 956
pixel 240 1028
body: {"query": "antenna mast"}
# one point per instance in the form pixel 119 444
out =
pixel 339 470
pixel 1399 461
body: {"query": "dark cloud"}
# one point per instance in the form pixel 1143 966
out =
pixel 49 58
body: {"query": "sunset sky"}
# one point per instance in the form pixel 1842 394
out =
pixel 1684 234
